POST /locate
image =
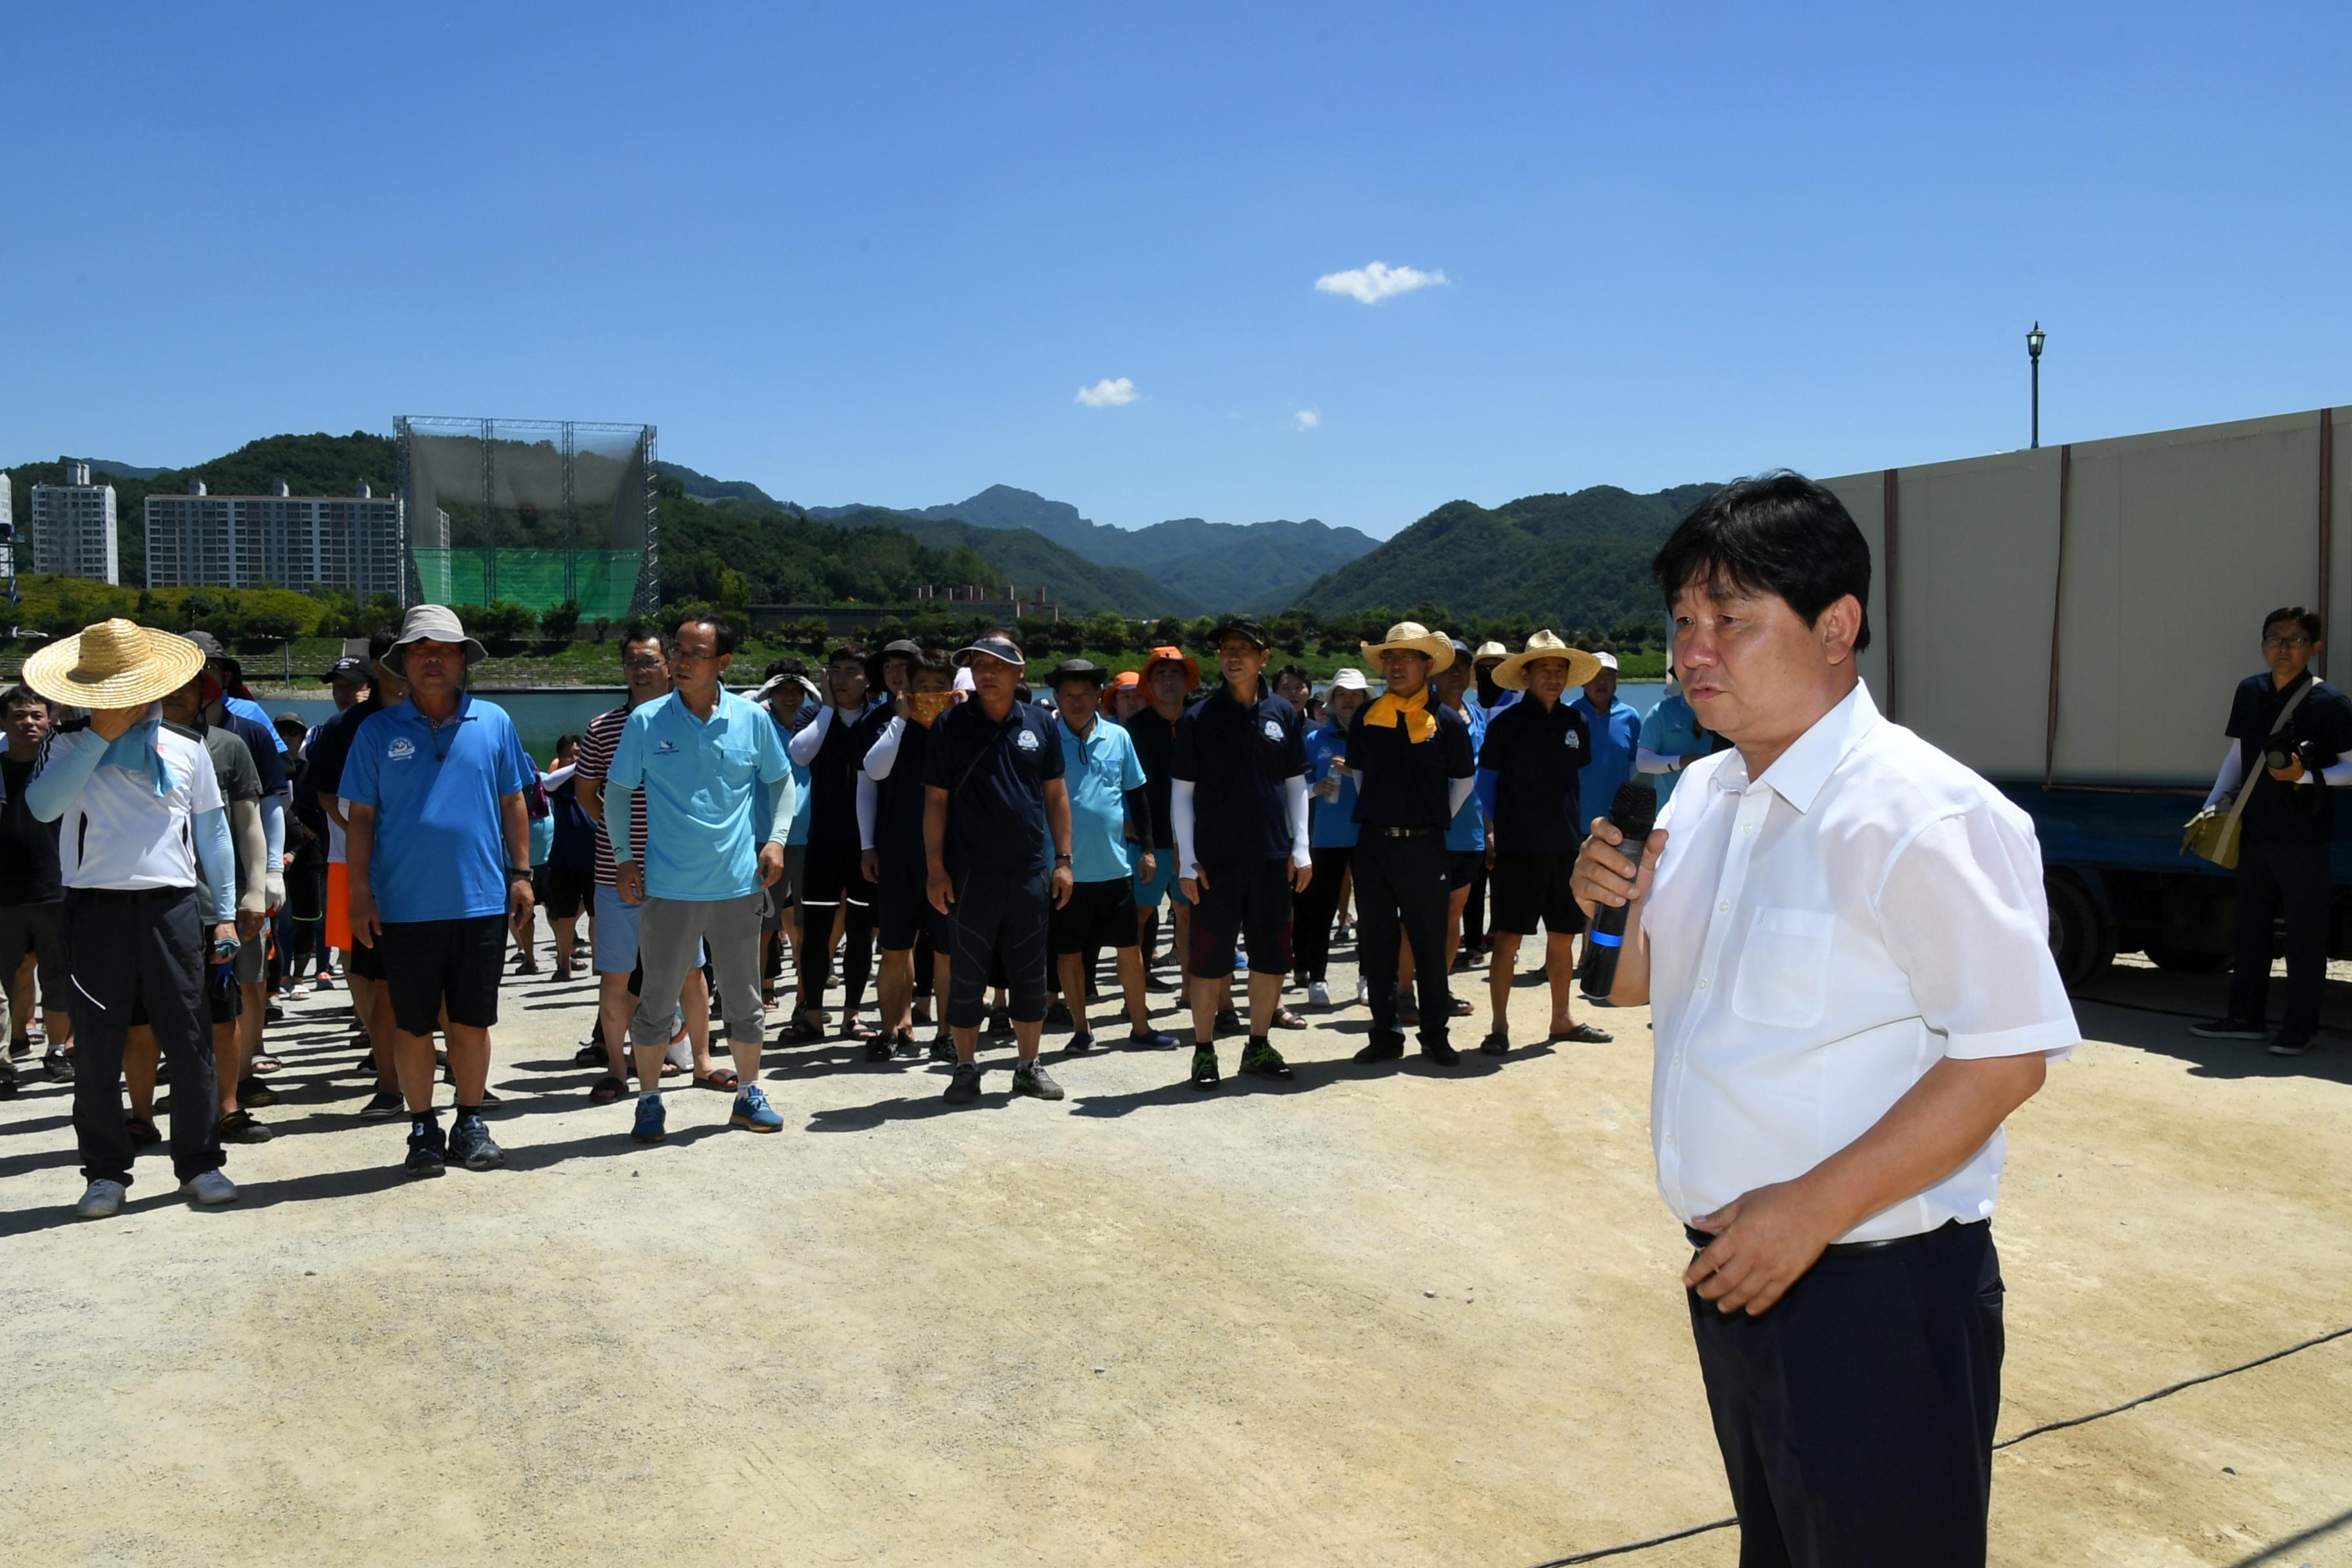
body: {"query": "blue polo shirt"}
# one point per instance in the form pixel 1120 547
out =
pixel 701 780
pixel 440 844
pixel 996 771
pixel 1468 828
pixel 1098 771
pixel 1333 825
pixel 1616 737
pixel 1671 730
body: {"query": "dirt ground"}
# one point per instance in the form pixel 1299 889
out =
pixel 1376 1316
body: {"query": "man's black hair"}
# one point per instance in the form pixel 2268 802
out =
pixel 724 638
pixel 1776 533
pixel 2307 620
pixel 563 740
pixel 644 632
pixel 932 661
pixel 17 694
pixel 785 665
pixel 1009 635
pixel 380 643
pixel 1288 670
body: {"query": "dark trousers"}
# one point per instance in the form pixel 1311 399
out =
pixel 1401 889
pixel 2272 877
pixel 1313 912
pixel 1473 913
pixel 143 952
pixel 835 880
pixel 1856 1416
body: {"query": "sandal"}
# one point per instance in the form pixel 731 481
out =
pixel 859 1029
pixel 720 1079
pixel 1284 1018
pixel 266 1064
pixel 800 1032
pixel 588 1056
pixel 1586 1035
pixel 1462 1008
pixel 606 1089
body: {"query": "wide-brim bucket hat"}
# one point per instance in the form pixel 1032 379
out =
pixel 431 623
pixel 114 664
pixel 1511 674
pixel 1412 637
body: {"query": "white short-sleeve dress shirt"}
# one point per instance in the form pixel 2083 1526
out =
pixel 1821 936
pixel 118 833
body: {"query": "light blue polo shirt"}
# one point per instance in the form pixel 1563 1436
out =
pixel 701 780
pixel 1671 730
pixel 1615 738
pixel 440 843
pixel 1333 825
pixel 1098 771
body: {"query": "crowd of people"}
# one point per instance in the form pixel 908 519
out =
pixel 990 844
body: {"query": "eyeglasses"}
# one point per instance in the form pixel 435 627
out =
pixel 2286 642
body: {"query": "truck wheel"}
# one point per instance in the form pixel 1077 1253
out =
pixel 2081 940
pixel 2186 960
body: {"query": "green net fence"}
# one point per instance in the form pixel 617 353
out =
pixel 602 581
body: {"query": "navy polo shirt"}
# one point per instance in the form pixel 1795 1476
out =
pixel 1237 758
pixel 1536 756
pixel 1401 784
pixel 440 842
pixel 1155 748
pixel 2280 812
pixel 995 771
pixel 898 799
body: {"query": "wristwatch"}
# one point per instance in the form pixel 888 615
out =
pixel 1061 860
pixel 518 873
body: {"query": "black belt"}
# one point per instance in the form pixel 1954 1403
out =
pixel 1700 1239
pixel 1403 832
pixel 128 895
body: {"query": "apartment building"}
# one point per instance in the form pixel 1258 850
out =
pixel 352 542
pixel 73 527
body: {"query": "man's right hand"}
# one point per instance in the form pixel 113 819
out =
pixel 1603 874
pixel 869 863
pixel 112 723
pixel 940 890
pixel 629 882
pixel 365 924
pixel 1193 884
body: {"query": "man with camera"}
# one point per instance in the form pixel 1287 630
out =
pixel 2288 731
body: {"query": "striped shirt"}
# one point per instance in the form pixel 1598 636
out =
pixel 596 747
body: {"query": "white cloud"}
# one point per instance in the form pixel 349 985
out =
pixel 1307 419
pixel 1108 394
pixel 1371 285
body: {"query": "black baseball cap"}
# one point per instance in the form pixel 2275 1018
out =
pixel 353 669
pixel 1241 625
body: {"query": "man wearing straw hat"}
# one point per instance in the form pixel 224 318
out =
pixel 439 849
pixel 132 798
pixel 1529 769
pixel 1413 766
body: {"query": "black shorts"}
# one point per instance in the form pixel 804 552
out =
pixel 1249 899
pixel 366 962
pixel 902 903
pixel 1098 915
pixel 223 998
pixel 836 874
pixel 434 965
pixel 563 893
pixel 37 929
pixel 1526 888
pixel 1462 868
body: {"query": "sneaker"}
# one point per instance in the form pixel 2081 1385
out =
pixel 1386 1049
pixel 2230 1030
pixel 964 1088
pixel 57 1065
pixel 1151 1040
pixel 1260 1060
pixel 653 1121
pixel 1318 994
pixel 364 1067
pixel 753 1112
pixel 1079 1045
pixel 254 1094
pixel 142 1132
pixel 429 1152
pixel 942 1048
pixel 470 1145
pixel 999 1024
pixel 1228 1021
pixel 209 1189
pixel 1032 1078
pixel 239 1127
pixel 1058 1016
pixel 1363 989
pixel 1441 1053
pixel 1204 1067
pixel 878 1049
pixel 324 983
pixel 383 1106
pixel 99 1200
pixel 1497 1044
pixel 1343 932
pixel 2293 1043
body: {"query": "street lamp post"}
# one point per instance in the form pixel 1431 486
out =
pixel 2033 341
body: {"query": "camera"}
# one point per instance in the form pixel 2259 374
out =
pixel 2283 752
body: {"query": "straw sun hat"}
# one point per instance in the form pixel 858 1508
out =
pixel 1412 637
pixel 113 664
pixel 1511 674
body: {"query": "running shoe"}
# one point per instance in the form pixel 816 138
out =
pixel 1204 1067
pixel 964 1087
pixel 428 1151
pixel 753 1112
pixel 99 1200
pixel 470 1145
pixel 383 1106
pixel 57 1065
pixel 1032 1078
pixel 1318 994
pixel 943 1046
pixel 209 1189
pixel 2293 1043
pixel 1151 1040
pixel 1228 1021
pixel 1079 1045
pixel 1260 1060
pixel 653 1121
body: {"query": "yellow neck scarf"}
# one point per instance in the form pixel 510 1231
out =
pixel 1413 712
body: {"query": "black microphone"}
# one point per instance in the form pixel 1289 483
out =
pixel 1633 812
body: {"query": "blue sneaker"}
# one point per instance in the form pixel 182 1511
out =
pixel 1151 1040
pixel 653 1121
pixel 1080 1044
pixel 752 1111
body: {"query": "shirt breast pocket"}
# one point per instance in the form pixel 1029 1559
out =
pixel 736 764
pixel 1784 969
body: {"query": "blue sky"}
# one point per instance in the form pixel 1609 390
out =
pixel 874 252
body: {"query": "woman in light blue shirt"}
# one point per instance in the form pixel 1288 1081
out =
pixel 1330 838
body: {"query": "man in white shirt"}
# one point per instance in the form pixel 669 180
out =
pixel 1842 935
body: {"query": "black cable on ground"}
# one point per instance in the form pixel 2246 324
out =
pixel 2047 1427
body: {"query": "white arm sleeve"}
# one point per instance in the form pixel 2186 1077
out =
pixel 1294 789
pixel 868 797
pixel 884 752
pixel 809 737
pixel 2337 776
pixel 1458 793
pixel 1180 817
pixel 2233 773
pixel 273 836
pixel 1649 761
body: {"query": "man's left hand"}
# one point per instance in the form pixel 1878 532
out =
pixel 1764 1242
pixel 1064 883
pixel 772 864
pixel 519 904
pixel 1149 867
pixel 1301 873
